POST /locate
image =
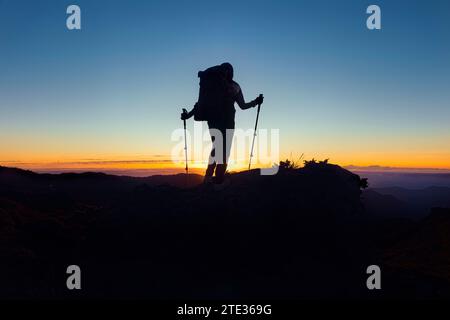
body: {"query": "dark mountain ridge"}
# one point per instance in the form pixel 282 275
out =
pixel 302 233
pixel 415 203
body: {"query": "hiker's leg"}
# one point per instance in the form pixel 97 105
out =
pixel 211 167
pixel 212 156
pixel 210 171
pixel 226 148
pixel 216 154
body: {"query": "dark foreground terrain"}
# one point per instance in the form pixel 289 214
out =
pixel 304 233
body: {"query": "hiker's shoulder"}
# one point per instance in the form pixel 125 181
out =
pixel 236 87
pixel 234 83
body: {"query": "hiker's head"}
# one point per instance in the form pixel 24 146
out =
pixel 228 69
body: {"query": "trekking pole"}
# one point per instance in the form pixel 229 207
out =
pixel 254 134
pixel 185 148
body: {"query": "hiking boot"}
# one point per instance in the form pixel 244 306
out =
pixel 208 180
pixel 223 185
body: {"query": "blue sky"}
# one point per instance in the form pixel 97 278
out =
pixel 332 87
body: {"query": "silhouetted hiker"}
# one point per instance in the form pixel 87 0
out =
pixel 218 93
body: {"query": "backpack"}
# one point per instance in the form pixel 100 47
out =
pixel 212 94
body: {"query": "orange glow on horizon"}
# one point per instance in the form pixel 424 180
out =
pixel 144 167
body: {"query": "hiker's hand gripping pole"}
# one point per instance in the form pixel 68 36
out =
pixel 254 133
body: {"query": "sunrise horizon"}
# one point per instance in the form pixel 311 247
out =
pixel 149 167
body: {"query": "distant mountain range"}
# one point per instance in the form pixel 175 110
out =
pixel 90 186
pixel 408 180
pixel 401 202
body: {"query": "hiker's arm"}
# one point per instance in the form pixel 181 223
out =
pixel 246 105
pixel 185 116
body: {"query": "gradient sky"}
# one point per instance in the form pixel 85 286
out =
pixel 113 91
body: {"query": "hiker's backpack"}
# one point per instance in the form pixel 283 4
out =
pixel 212 94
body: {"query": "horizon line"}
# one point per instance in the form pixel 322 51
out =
pixel 176 169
